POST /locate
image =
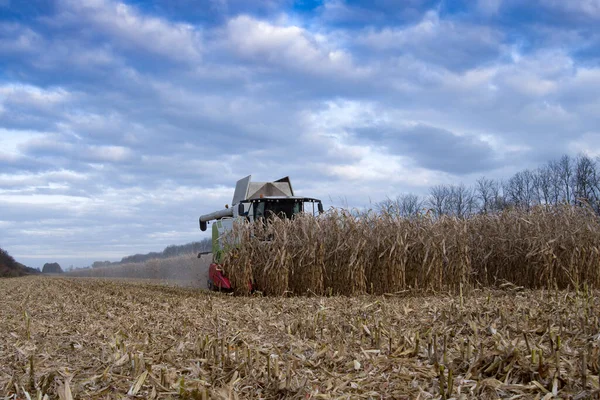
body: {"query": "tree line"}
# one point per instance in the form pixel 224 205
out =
pixel 9 267
pixel 567 180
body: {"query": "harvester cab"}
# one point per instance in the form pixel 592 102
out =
pixel 252 201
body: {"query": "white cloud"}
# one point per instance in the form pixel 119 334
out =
pixel 376 167
pixel 337 116
pixel 132 29
pixel 11 140
pixel 51 179
pixel 23 94
pixel 588 143
pixel 582 90
pixel 489 7
pixel 590 8
pixel 331 129
pixel 530 84
pixel 19 39
pixel 548 113
pixel 49 143
pixel 438 41
pixel 288 45
pixel 52 52
pixel 108 153
pixel 51 201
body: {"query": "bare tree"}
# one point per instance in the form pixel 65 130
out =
pixel 410 205
pixel 566 180
pixel 487 191
pixel 512 190
pixel 584 180
pixel 439 200
pixel 542 179
pixel 519 190
pixel 405 205
pixel 596 184
pixel 386 206
pixel 556 189
pixel 499 198
pixel 529 185
pixel 462 201
pixel 565 171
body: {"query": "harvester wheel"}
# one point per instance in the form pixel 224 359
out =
pixel 210 285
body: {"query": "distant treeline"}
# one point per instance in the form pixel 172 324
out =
pixel 52 268
pixel 567 180
pixel 9 267
pixel 169 251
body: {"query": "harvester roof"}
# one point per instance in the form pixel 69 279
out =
pixel 245 189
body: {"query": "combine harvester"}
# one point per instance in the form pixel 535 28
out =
pixel 252 201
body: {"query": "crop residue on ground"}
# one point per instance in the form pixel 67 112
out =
pixel 93 338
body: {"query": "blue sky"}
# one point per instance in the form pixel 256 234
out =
pixel 122 122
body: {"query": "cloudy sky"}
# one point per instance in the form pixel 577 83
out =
pixel 122 122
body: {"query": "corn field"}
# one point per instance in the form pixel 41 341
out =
pixel 376 253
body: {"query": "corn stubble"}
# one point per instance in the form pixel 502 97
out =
pixel 342 254
pixel 69 338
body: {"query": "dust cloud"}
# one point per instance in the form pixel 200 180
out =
pixel 186 270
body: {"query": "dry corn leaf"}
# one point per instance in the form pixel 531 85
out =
pixel 139 382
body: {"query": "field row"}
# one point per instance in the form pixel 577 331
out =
pixel 93 338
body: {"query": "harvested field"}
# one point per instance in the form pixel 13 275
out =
pixel 96 338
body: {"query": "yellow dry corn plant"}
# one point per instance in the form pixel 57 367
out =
pixel 347 253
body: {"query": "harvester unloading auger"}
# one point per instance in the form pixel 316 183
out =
pixel 252 201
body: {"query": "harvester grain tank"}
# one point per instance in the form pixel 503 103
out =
pixel 252 201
